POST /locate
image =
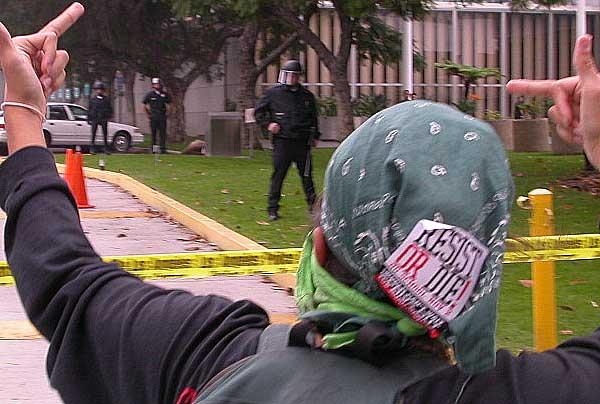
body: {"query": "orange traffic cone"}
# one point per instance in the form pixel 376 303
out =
pixel 75 179
pixel 68 175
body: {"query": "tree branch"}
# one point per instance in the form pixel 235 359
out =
pixel 276 53
pixel 346 26
pixel 308 35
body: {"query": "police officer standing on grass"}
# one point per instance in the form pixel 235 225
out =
pixel 99 113
pixel 289 112
pixel 156 104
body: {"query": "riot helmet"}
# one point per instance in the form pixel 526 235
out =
pixel 156 83
pixel 290 73
pixel 98 85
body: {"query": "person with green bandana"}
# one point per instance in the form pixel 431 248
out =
pixel 397 285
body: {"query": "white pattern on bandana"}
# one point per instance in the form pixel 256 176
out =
pixel 500 195
pixel 434 128
pixel 362 174
pixel 368 246
pixel 400 165
pixel 438 170
pixel 390 136
pixel 371 206
pixel 346 167
pixel 422 104
pixel 475 181
pixel 469 117
pixel 471 136
pixel 489 279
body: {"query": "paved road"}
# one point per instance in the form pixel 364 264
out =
pixel 119 225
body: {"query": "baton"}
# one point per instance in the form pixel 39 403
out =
pixel 308 155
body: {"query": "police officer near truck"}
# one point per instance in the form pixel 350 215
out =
pixel 156 104
pixel 99 113
pixel 289 112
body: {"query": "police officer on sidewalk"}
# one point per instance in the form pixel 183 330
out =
pixel 289 112
pixel 99 113
pixel 156 104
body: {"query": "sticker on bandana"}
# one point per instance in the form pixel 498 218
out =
pixel 431 276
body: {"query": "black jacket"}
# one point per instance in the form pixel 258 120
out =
pixel 295 111
pixel 157 100
pixel 116 339
pixel 100 108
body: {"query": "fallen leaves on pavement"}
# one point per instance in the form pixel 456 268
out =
pixel 526 282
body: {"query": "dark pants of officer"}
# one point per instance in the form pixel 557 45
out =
pixel 286 151
pixel 159 125
pixel 104 125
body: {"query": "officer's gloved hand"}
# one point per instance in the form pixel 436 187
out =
pixel 274 128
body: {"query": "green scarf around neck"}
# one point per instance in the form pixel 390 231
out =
pixel 321 297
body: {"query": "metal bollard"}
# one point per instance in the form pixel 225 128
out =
pixel 542 272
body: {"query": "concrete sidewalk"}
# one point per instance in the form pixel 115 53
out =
pixel 119 225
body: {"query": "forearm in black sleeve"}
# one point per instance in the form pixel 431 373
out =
pixel 262 112
pixel 567 374
pixel 112 337
pixel 315 113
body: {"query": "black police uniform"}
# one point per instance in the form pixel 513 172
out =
pixel 99 113
pixel 158 101
pixel 294 109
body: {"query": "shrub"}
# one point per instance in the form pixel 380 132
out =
pixel 368 105
pixel 327 106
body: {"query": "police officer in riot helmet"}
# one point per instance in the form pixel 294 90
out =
pixel 288 112
pixel 156 104
pixel 99 113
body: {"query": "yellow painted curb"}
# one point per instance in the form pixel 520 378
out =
pixel 114 214
pixel 213 231
pixel 18 329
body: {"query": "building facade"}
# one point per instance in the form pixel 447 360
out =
pixel 534 44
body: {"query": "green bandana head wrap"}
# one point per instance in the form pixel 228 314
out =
pixel 422 160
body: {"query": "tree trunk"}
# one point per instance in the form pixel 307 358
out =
pixel 130 75
pixel 343 98
pixel 247 99
pixel 176 130
pixel 248 75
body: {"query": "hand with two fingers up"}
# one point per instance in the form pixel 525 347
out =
pixel 33 69
pixel 577 108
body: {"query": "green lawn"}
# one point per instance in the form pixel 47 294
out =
pixel 233 192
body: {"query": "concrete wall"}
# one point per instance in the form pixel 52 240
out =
pixel 201 98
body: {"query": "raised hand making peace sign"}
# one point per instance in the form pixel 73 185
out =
pixel 577 100
pixel 33 69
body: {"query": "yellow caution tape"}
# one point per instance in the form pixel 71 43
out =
pixel 229 263
pixel 553 248
pixel 199 265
